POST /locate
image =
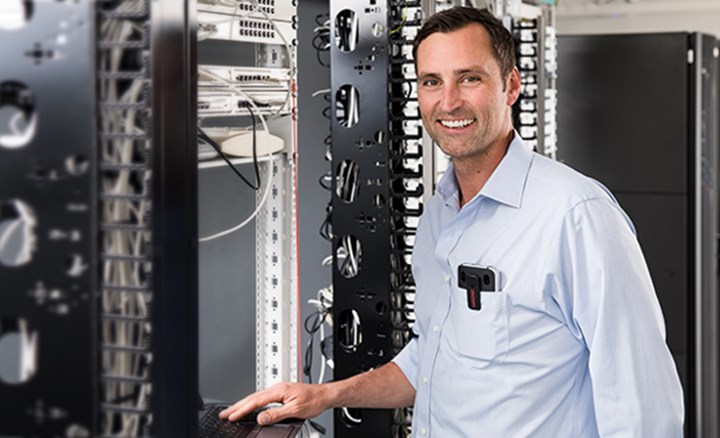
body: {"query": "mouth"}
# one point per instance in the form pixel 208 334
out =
pixel 456 124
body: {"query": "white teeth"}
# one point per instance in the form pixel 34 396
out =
pixel 456 123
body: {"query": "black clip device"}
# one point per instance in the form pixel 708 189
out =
pixel 475 279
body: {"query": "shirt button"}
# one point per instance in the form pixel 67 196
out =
pixel 425 380
pixel 446 279
pixel 436 329
pixel 423 431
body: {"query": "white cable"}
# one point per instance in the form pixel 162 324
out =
pixel 235 88
pixel 288 47
pixel 28 355
pixel 123 273
pixel 291 53
pixel 249 218
pixel 321 378
pixel 319 92
pixel 350 417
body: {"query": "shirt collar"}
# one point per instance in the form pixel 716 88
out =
pixel 506 184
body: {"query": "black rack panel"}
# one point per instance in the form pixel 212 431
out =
pixel 375 196
pixel 48 221
pixel 360 135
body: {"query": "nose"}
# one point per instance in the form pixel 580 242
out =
pixel 451 98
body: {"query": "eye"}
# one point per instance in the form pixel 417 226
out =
pixel 470 79
pixel 430 82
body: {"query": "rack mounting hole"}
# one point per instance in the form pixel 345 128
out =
pixel 346 30
pixel 350 330
pixel 14 14
pixel 377 29
pixel 378 200
pixel 18 234
pixel 17 342
pixel 349 256
pixel 75 265
pixel 348 182
pixel 77 165
pixel 347 106
pixel 18 118
pixel 379 137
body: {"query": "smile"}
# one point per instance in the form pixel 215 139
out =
pixel 456 123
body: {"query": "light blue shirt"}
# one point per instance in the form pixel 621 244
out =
pixel 573 344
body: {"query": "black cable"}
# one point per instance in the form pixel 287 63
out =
pixel 321 40
pixel 255 158
pixel 326 227
pixel 318 17
pixel 320 61
pixel 318 318
pixel 326 112
pixel 206 138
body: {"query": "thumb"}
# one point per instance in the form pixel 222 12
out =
pixel 272 416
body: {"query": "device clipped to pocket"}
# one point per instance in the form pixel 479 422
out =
pixel 476 279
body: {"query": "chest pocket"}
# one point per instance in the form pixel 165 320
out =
pixel 481 337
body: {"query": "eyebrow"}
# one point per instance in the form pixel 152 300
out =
pixel 472 69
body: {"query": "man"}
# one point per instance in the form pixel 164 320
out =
pixel 571 341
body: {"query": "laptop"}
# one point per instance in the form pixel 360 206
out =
pixel 211 426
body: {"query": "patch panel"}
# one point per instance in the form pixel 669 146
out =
pixel 213 103
pixel 276 9
pixel 249 78
pixel 216 26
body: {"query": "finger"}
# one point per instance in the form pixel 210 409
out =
pixel 272 416
pixel 254 401
pixel 241 407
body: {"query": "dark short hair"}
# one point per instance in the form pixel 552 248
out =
pixel 460 16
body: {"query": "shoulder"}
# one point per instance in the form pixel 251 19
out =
pixel 563 187
pixel 575 198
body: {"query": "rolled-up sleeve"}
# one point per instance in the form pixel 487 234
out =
pixel 407 361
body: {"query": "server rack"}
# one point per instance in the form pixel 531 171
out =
pixel 109 177
pixel 640 114
pixel 376 147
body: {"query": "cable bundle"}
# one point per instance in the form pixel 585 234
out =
pixel 126 178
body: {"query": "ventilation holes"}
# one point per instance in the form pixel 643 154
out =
pixel 378 200
pixel 377 29
pixel 18 118
pixel 349 330
pixel 18 341
pixel 346 30
pixel 347 182
pixel 17 233
pixel 15 14
pixel 349 256
pixel 347 106
pixel 77 165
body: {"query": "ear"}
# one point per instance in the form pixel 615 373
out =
pixel 513 86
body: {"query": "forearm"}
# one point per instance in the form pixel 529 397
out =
pixel 385 387
pixel 382 388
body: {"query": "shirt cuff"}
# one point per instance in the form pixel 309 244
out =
pixel 406 360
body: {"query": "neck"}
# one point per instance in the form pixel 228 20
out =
pixel 473 172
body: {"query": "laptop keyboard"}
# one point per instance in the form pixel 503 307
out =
pixel 211 426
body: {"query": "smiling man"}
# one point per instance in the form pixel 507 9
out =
pixel 536 315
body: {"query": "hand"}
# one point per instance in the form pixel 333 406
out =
pixel 299 400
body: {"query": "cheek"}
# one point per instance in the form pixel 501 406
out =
pixel 424 105
pixel 425 112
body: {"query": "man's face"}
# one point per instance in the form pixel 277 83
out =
pixel 463 98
